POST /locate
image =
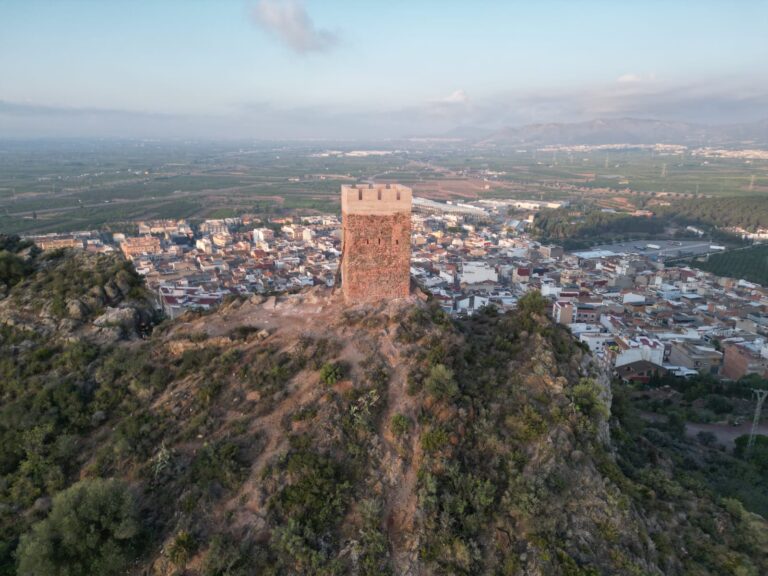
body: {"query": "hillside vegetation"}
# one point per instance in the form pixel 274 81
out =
pixel 299 436
pixel 747 212
pixel 746 264
pixel 580 227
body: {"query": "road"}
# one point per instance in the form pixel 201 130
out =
pixel 711 252
pixel 725 433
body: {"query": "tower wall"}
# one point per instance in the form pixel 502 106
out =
pixel 376 223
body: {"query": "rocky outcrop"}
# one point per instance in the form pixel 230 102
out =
pixel 80 294
pixel 125 318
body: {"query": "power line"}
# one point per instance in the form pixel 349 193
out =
pixel 761 394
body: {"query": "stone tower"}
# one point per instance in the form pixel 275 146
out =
pixel 376 223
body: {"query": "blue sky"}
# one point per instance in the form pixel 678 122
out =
pixel 331 68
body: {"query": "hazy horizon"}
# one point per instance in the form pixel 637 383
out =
pixel 291 69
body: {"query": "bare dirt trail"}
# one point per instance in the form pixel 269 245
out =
pixel 303 390
pixel 401 466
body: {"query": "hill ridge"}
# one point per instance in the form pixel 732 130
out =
pixel 296 435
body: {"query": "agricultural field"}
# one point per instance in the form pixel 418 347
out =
pixel 58 186
pixel 638 171
pixel 749 264
pixel 53 186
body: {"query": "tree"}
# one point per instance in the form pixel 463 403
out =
pixel 12 269
pixel 530 308
pixel 532 303
pixel 441 383
pixel 92 528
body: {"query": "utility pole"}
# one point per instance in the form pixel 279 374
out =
pixel 760 394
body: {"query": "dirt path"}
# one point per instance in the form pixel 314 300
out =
pixel 303 390
pixel 401 474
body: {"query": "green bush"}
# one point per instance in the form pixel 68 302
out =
pixel 226 558
pixel 219 462
pixel 586 396
pixel 318 494
pixel 433 440
pixel 243 332
pixel 12 269
pixel 181 549
pixel 759 454
pixel 92 528
pixel 441 384
pixel 400 424
pixel 207 392
pixel 331 373
pixel 532 303
pixel 719 404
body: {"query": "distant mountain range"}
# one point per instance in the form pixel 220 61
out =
pixel 621 131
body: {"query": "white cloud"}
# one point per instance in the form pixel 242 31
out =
pixel 290 22
pixel 456 97
pixel 628 78
pixel 456 105
pixel 631 78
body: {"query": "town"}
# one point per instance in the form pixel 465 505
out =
pixel 636 309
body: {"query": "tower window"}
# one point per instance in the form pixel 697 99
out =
pixel 398 194
pixel 359 194
pixel 379 194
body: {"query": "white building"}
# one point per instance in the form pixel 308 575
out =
pixel 478 272
pixel 263 235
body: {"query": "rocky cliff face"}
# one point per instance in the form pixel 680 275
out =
pixel 296 435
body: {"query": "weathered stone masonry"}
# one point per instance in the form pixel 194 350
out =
pixel 376 223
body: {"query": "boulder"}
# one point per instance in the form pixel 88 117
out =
pixel 98 417
pixel 111 290
pixel 123 284
pixel 47 311
pixel 98 294
pixel 122 317
pixel 76 310
pixel 270 303
pixel 67 325
pixel 92 302
pixel 42 505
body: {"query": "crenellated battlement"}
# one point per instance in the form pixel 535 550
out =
pixel 375 199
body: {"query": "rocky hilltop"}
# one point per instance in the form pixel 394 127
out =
pixel 94 296
pixel 294 435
